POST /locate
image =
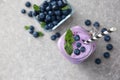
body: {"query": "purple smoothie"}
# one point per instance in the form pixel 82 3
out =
pixel 84 35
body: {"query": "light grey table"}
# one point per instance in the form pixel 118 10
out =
pixel 23 57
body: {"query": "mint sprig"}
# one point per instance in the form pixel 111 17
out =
pixel 40 34
pixel 69 41
pixel 42 24
pixel 27 27
pixel 66 7
pixel 36 7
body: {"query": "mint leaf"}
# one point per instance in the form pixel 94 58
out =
pixel 69 40
pixel 42 24
pixel 36 7
pixel 27 27
pixel 69 36
pixel 68 48
pixel 40 34
pixel 66 7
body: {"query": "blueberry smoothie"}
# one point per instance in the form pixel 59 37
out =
pixel 73 48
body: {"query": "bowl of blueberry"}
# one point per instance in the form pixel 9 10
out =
pixel 52 13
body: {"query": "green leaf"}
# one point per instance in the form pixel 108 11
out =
pixel 69 41
pixel 36 7
pixel 68 48
pixel 27 27
pixel 40 34
pixel 66 7
pixel 69 36
pixel 42 24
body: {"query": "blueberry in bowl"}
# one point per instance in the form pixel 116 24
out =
pixel 52 13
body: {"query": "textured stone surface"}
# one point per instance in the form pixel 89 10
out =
pixel 24 58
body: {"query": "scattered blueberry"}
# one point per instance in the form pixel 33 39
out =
pixel 32 27
pixel 31 31
pixel 45 4
pixel 35 13
pixel 78 44
pixel 77 38
pixel 28 4
pixel 23 11
pixel 98 61
pixel 103 29
pixel 77 51
pixel 36 34
pixel 87 22
pixel 96 24
pixel 53 37
pixel 107 38
pixel 57 34
pixel 109 47
pixel 106 55
pixel 30 14
pixel 82 49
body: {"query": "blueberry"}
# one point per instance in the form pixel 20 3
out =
pixel 66 12
pixel 39 18
pixel 36 34
pixel 53 18
pixel 53 3
pixel 58 12
pixel 28 4
pixel 55 7
pixel 58 18
pixel 109 47
pixel 78 44
pixel 77 38
pixel 53 37
pixel 32 27
pixel 31 31
pixel 50 25
pixel 87 22
pixel 60 3
pixel 45 13
pixel 46 27
pixel 98 61
pixel 42 15
pixel 106 55
pixel 23 11
pixel 50 13
pixel 42 8
pixel 30 14
pixel 45 3
pixel 48 8
pixel 55 22
pixel 35 13
pixel 57 34
pixel 63 16
pixel 107 38
pixel 77 52
pixel 96 24
pixel 103 29
pixel 82 49
pixel 48 18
